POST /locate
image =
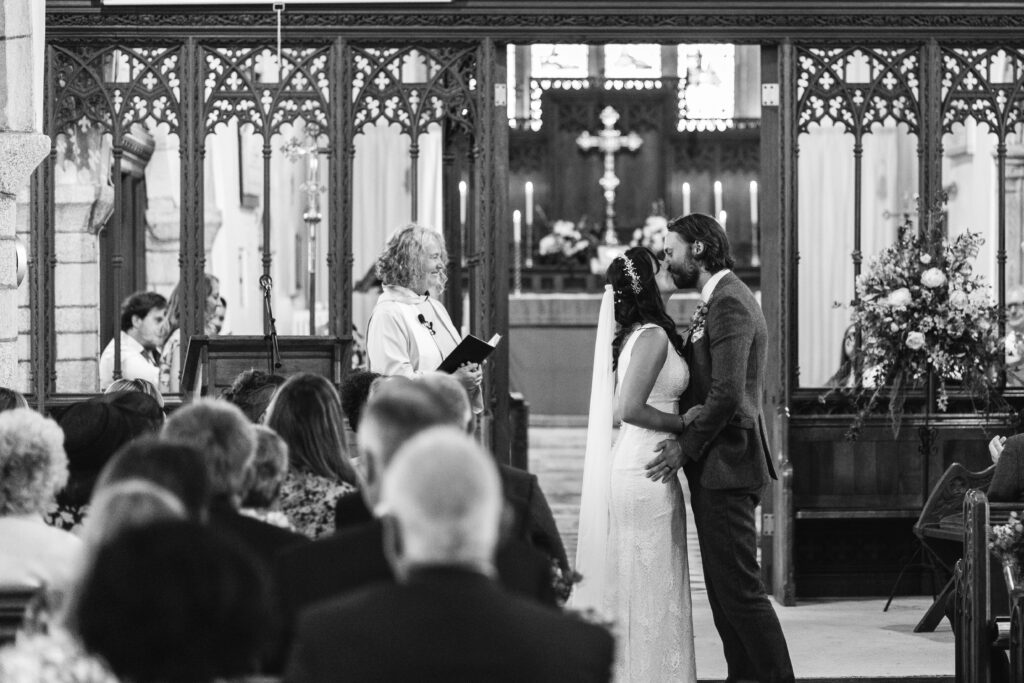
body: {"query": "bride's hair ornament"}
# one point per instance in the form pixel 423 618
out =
pixel 634 279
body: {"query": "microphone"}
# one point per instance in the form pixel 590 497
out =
pixel 266 282
pixel 426 323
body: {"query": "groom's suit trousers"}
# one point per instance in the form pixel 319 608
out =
pixel 755 648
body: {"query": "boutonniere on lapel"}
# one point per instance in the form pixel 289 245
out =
pixel 697 322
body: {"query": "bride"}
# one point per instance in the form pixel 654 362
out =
pixel 632 531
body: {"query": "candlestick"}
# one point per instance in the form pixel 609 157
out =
pixel 463 189
pixel 686 199
pixel 753 202
pixel 517 259
pixel 722 216
pixel 718 197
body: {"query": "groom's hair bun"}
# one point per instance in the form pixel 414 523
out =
pixel 698 227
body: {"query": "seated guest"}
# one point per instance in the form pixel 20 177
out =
pixel 355 390
pixel 173 601
pixel 176 468
pixel 33 466
pixel 143 316
pixel 170 354
pixel 9 398
pixel 354 557
pixel 269 469
pixel 252 391
pixel 446 619
pixel 93 431
pixel 1008 479
pixel 530 517
pixel 226 439
pixel 139 385
pixel 306 412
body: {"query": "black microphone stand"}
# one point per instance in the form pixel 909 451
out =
pixel 274 362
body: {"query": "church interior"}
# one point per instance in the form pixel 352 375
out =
pixel 277 146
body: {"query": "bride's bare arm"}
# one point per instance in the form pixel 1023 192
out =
pixel 645 362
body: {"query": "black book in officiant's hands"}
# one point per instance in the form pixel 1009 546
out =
pixel 470 350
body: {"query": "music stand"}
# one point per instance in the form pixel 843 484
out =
pixel 212 363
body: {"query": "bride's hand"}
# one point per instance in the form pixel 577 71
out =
pixel 691 414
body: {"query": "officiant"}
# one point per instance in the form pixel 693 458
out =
pixel 410 331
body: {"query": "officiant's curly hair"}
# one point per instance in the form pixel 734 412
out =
pixel 401 263
pixel 637 298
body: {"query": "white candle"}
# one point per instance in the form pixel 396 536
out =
pixel 718 197
pixel 529 205
pixel 753 202
pixel 686 199
pixel 517 226
pixel 463 189
pixel 721 218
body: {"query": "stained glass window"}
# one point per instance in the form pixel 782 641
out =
pixel 559 61
pixel 632 61
pixel 707 86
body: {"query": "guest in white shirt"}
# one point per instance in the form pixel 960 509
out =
pixel 143 328
pixel 410 332
pixel 34 468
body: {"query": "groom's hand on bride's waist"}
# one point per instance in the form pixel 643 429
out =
pixel 668 461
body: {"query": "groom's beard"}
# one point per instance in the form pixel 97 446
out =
pixel 687 276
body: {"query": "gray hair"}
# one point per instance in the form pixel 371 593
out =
pixel 270 466
pixel 126 504
pixel 221 432
pixel 32 460
pixel 443 490
pixel 451 396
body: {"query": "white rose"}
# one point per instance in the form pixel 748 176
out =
pixel 979 297
pixel 915 340
pixel 932 278
pixel 900 297
pixel 958 299
pixel 926 259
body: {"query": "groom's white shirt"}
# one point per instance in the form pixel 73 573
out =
pixel 709 286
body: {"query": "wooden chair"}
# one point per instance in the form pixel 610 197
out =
pixel 941 518
pixel 13 603
pixel 977 630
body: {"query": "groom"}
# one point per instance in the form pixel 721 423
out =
pixel 723 451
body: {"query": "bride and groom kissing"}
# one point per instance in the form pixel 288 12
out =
pixel 688 408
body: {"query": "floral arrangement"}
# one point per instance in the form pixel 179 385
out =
pixel 1007 541
pixel 652 234
pixel 921 311
pixel 567 244
pixel 52 658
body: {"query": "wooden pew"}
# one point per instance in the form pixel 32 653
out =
pixel 977 631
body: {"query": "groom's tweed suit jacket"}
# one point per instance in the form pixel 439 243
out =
pixel 727 363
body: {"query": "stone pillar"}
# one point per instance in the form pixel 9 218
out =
pixel 22 147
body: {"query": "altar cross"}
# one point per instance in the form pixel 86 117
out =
pixel 610 142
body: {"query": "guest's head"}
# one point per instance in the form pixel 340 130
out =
pixel 211 297
pixel 175 467
pixel 93 431
pixel 696 243
pixel 33 465
pixel 633 277
pixel 252 391
pixel 143 412
pixel 306 412
pixel 127 504
pixel 400 409
pixel 269 468
pixel 451 397
pixel 144 318
pixel 216 323
pixel 442 497
pixel 1015 308
pixel 225 438
pixel 140 385
pixel 173 601
pixel 355 390
pixel 9 399
pixel 415 258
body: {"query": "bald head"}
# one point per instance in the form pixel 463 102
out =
pixel 443 492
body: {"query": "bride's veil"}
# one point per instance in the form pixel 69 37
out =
pixel 595 496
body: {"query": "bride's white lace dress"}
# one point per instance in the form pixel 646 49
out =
pixel 648 581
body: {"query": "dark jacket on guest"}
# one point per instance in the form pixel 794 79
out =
pixel 354 558
pixel 1008 478
pixel 445 624
pixel 265 540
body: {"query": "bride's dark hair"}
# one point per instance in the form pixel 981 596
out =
pixel 637 299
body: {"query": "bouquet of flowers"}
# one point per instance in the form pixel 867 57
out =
pixel 1007 541
pixel 921 311
pixel 567 244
